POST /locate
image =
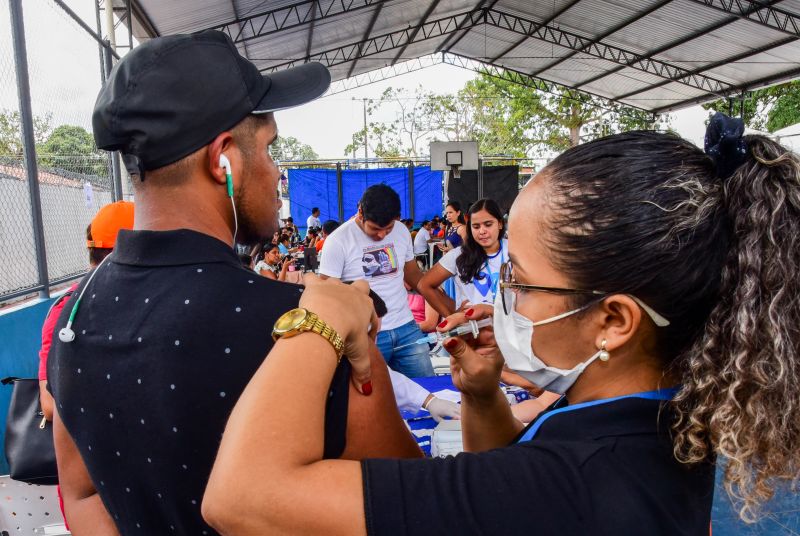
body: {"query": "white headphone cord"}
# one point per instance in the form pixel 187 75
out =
pixel 235 222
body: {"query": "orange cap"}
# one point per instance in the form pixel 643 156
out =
pixel 107 223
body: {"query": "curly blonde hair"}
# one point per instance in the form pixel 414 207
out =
pixel 644 213
pixel 742 376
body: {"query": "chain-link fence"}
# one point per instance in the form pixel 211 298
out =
pixel 64 65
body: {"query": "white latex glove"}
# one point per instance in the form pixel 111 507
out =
pixel 440 409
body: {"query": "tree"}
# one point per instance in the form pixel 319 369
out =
pixel 290 148
pixel 505 118
pixel 72 148
pixel 769 109
pixel 11 132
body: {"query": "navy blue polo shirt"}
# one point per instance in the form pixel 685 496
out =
pixel 168 334
pixel 605 469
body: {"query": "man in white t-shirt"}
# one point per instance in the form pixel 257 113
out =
pixel 313 220
pixel 421 240
pixel 370 246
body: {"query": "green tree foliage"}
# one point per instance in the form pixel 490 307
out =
pixel 11 132
pixel 290 148
pixel 768 109
pixel 505 119
pixel 71 148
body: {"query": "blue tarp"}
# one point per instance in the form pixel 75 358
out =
pixel 317 188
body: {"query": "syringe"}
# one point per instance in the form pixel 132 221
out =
pixel 435 337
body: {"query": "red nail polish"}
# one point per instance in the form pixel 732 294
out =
pixel 450 344
pixel 443 323
pixel 469 312
pixel 367 388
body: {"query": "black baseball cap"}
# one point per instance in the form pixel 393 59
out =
pixel 172 95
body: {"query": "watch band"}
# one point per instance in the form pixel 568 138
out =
pixel 320 327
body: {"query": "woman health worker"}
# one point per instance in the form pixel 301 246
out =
pixel 658 293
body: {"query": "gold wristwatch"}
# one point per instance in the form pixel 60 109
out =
pixel 299 321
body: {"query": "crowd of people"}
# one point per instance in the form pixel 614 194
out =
pixel 660 280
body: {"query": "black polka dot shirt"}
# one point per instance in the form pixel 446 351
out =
pixel 168 334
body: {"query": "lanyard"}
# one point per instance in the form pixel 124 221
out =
pixel 660 394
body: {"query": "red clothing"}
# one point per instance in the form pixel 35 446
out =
pixel 319 243
pixel 48 329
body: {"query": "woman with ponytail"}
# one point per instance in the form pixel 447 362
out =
pixel 475 264
pixel 654 285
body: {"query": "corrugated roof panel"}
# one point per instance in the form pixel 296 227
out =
pixel 449 7
pixel 414 50
pixel 538 11
pixel 180 17
pixel 533 54
pixel 762 65
pixel 579 68
pixel 625 81
pixel 596 17
pixel 680 19
pixel 665 25
pixel 484 42
pixel 666 95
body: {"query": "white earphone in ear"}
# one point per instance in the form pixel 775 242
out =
pixel 225 163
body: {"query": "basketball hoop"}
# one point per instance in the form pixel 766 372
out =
pixel 454 159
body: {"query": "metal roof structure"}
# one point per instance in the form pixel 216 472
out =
pixel 655 55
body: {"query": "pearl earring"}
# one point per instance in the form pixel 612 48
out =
pixel 604 355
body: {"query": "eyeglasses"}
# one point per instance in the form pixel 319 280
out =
pixel 508 285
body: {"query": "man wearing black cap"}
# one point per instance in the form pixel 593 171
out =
pixel 170 328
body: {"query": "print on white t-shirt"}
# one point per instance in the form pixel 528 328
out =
pixel 379 261
pixel 350 254
pixel 483 288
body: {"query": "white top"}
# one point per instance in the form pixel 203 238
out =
pixel 408 394
pixel 313 221
pixel 479 290
pixel 421 241
pixel 350 254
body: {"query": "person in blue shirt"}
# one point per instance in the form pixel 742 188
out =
pixel 651 284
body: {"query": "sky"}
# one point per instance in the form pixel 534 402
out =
pixel 65 79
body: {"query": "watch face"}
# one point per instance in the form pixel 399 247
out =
pixel 290 319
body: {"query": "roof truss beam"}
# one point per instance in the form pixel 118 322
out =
pixel 292 16
pixel 524 38
pixel 611 53
pixel 523 79
pixel 596 40
pixel 671 45
pixel 422 21
pixel 378 75
pixel 367 33
pixel 310 39
pixel 755 84
pixel 447 45
pixel 382 43
pixel 758 12
pixel 714 65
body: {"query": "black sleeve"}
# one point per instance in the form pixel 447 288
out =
pixel 521 489
pixel 336 411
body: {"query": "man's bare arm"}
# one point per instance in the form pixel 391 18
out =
pixel 86 513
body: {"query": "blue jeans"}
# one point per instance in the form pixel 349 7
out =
pixel 401 354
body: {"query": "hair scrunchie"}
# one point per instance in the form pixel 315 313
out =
pixel 724 143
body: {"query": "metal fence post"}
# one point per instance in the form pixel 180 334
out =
pixel 115 170
pixel 480 179
pixel 411 191
pixel 339 192
pixel 29 143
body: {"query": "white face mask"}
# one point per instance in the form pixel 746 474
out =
pixel 514 335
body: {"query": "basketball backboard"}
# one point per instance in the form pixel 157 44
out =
pixel 454 156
